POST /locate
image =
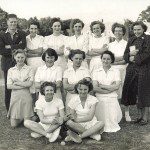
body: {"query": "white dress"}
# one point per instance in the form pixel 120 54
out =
pixel 74 77
pixel 118 49
pixel 49 109
pixel 96 43
pixel 80 43
pixel 49 74
pixel 108 109
pixel 55 42
pixel 75 104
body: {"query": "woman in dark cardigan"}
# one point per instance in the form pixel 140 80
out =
pixel 136 86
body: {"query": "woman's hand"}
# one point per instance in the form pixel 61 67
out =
pixel 57 120
pixel 132 59
pixel 134 52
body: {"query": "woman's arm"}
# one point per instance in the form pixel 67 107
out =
pixel 14 87
pixel 67 86
pixel 99 89
pixel 35 52
pixel 25 84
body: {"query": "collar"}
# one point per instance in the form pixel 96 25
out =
pixel 24 67
pixel 28 37
pixel 51 68
pixel 80 68
pixel 7 31
pixel 101 69
pixel 121 41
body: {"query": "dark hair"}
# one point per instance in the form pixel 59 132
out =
pixel 141 24
pixel 50 52
pixel 56 20
pixel 17 51
pixel 36 23
pixel 45 84
pixel 74 52
pixel 77 21
pixel 84 81
pixel 11 16
pixel 111 55
pixel 115 25
pixel 102 26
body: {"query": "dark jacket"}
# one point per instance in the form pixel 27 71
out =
pixel 18 42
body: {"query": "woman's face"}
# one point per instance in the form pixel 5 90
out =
pixel 33 29
pixel 96 29
pixel 77 27
pixel 77 60
pixel 106 60
pixel 49 93
pixel 138 30
pixel 49 59
pixel 118 32
pixel 83 90
pixel 20 58
pixel 56 27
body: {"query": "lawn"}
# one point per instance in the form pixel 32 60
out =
pixel 130 137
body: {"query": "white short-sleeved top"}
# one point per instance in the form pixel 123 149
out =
pixel 75 76
pixel 49 109
pixel 25 74
pixel 34 43
pixel 112 75
pixel 45 73
pixel 54 42
pixel 117 48
pixel 97 43
pixel 75 104
pixel 77 43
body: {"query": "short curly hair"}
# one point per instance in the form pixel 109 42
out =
pixel 50 52
pixel 36 23
pixel 115 25
pixel 74 52
pixel 45 84
pixel 144 26
pixel 84 81
pixel 102 26
pixel 56 20
pixel 17 51
pixel 77 21
pixel 112 56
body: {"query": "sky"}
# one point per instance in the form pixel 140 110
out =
pixel 87 10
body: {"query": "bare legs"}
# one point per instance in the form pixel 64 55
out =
pixel 127 116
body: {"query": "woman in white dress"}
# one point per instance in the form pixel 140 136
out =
pixel 19 80
pixel 34 51
pixel 97 44
pixel 49 72
pixel 82 112
pixel 50 111
pixel 106 82
pixel 57 42
pixel 77 41
pixel 75 73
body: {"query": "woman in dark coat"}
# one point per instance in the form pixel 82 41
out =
pixel 136 86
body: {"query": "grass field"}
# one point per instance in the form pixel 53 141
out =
pixel 130 137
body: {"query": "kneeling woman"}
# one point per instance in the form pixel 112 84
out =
pixel 106 81
pixel 82 110
pixel 50 112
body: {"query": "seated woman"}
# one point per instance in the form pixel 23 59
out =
pixel 19 80
pixel 106 82
pixel 75 73
pixel 50 111
pixel 82 113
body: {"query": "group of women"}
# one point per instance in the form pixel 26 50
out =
pixel 78 80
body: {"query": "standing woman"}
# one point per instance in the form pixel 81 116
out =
pixel 97 44
pixel 106 82
pixel 57 42
pixel 20 79
pixel 75 73
pixel 136 87
pixel 77 41
pixel 118 48
pixel 49 72
pixel 34 51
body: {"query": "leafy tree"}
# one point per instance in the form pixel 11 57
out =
pixel 145 15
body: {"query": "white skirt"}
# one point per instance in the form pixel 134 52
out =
pixel 108 110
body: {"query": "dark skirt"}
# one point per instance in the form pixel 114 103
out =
pixel 130 87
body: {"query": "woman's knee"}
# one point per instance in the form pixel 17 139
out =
pixel 70 123
pixel 27 123
pixel 100 124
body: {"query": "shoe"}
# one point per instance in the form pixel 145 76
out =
pixel 96 137
pixel 143 122
pixel 128 118
pixel 36 135
pixel 138 120
pixel 74 137
pixel 54 135
pixel 68 139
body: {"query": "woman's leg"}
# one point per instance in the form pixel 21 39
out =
pixel 15 122
pixel 52 128
pixel 94 129
pixel 145 113
pixel 127 115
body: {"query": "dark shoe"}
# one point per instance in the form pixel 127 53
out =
pixel 143 122
pixel 137 120
pixel 74 137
